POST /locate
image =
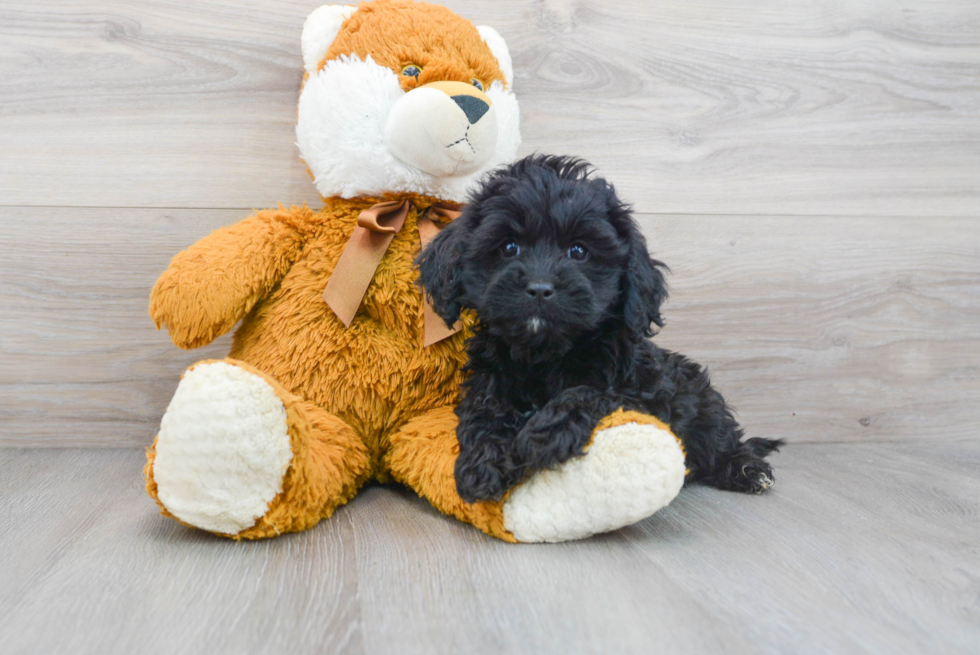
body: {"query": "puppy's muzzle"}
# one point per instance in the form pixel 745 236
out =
pixel 541 291
pixel 443 129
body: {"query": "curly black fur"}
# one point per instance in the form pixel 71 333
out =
pixel 562 340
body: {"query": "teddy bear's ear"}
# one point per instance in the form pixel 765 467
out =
pixel 319 31
pixel 499 49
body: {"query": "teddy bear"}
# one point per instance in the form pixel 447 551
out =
pixel 340 372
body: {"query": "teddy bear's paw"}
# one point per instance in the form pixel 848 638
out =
pixel 629 472
pixel 223 448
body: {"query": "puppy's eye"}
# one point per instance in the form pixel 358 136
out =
pixel 477 83
pixel 412 71
pixel 510 249
pixel 577 252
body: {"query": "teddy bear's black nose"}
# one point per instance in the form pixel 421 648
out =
pixel 474 108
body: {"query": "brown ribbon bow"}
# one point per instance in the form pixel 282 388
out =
pixel 376 229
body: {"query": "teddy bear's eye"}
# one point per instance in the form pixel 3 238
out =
pixel 510 249
pixel 477 83
pixel 412 71
pixel 577 252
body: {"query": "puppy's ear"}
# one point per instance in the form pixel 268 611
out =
pixel 440 271
pixel 644 288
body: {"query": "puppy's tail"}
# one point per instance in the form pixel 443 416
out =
pixel 762 447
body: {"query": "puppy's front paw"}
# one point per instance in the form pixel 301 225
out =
pixel 561 429
pixel 544 445
pixel 477 481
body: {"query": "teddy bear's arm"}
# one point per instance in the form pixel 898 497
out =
pixel 213 284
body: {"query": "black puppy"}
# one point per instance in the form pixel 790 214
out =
pixel 565 293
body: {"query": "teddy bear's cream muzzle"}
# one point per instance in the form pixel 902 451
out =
pixel 443 128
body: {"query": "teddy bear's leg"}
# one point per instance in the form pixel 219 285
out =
pixel 240 456
pixel 423 455
pixel 633 467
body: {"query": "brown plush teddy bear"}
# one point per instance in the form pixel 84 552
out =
pixel 339 372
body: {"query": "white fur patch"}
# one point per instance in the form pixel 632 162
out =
pixel 343 111
pixel 223 449
pixel 319 32
pixel 629 472
pixel 499 49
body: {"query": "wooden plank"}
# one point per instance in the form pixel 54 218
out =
pixel 858 548
pixel 690 107
pixel 817 329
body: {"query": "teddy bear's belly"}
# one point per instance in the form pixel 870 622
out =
pixel 375 375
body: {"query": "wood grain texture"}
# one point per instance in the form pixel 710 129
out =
pixel 820 108
pixel 817 329
pixel 830 329
pixel 859 548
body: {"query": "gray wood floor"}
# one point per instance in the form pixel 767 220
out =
pixel 859 548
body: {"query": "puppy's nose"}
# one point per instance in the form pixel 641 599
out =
pixel 473 107
pixel 541 290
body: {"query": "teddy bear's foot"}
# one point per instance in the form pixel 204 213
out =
pixel 239 456
pixel 633 467
pixel 223 449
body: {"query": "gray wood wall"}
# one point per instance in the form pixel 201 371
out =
pixel 810 171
